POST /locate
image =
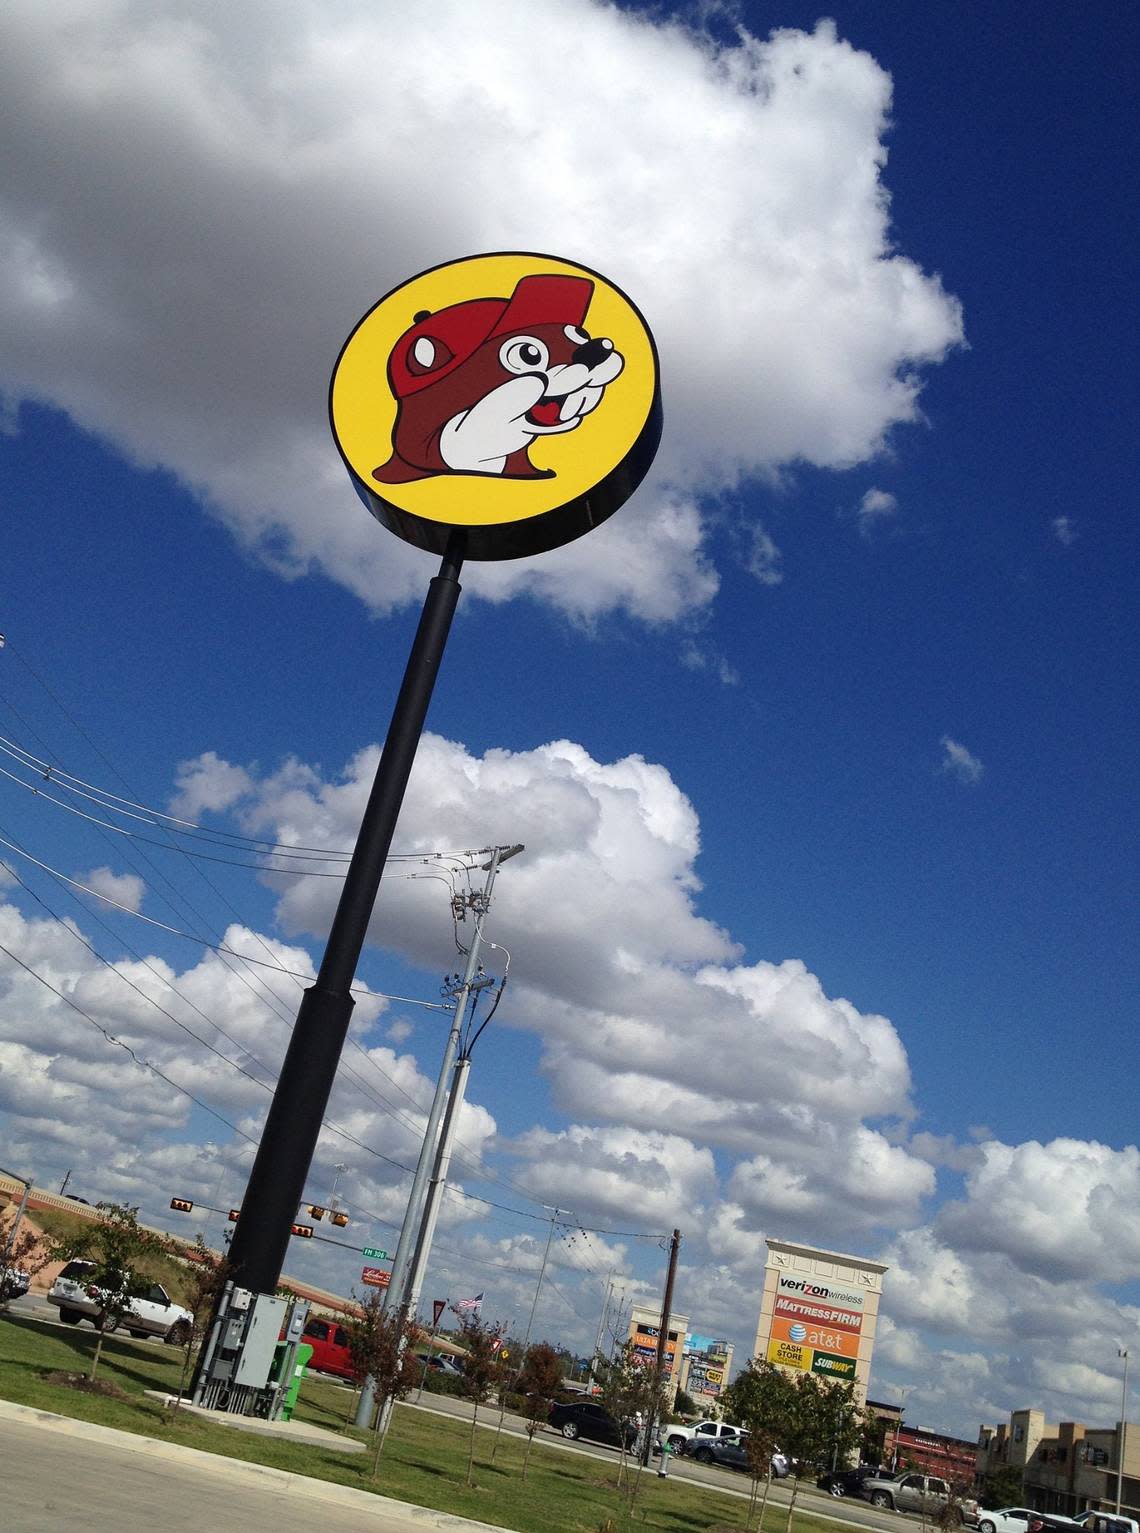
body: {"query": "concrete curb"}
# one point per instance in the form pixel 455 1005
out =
pixel 246 1473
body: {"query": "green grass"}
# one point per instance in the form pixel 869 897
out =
pixel 424 1459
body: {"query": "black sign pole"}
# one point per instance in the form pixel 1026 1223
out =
pixel 277 1181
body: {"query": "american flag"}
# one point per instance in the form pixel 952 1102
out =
pixel 469 1304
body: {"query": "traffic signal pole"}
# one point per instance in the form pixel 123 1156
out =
pixel 277 1181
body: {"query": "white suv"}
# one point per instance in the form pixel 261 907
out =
pixel 154 1313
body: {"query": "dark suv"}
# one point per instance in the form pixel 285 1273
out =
pixel 582 1418
pixel 847 1482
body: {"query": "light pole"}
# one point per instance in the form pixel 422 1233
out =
pixel 904 1390
pixel 340 1168
pixel 1122 1352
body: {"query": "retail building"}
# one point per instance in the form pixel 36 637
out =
pixel 1069 1467
pixel 645 1332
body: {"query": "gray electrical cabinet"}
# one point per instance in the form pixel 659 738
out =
pixel 256 1360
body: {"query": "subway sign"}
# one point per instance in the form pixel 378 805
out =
pixel 805 1359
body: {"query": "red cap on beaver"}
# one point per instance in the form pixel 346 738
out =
pixel 439 343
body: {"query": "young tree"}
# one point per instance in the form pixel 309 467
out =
pixel 538 1381
pixel 627 1390
pixel 761 1399
pixel 118 1247
pixel 1002 1487
pixel 483 1369
pixel 822 1425
pixel 381 1348
pixel 873 1440
pixel 21 1251
pixel 684 1404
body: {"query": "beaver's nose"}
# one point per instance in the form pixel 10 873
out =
pixel 593 352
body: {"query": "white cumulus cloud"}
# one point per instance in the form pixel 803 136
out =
pixel 126 889
pixel 198 202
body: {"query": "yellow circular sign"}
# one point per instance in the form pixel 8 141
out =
pixel 512 398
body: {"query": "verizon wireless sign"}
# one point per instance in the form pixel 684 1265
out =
pixel 837 1295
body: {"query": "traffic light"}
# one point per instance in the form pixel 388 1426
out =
pixel 305 1231
pixel 341 1219
pixel 234 1215
pixel 316 1211
pixel 183 1205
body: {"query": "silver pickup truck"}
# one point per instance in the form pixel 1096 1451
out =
pixel 915 1492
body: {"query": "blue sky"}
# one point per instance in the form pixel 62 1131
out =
pixel 872 623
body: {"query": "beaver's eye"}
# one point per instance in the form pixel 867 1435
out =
pixel 523 354
pixel 572 333
pixel 427 355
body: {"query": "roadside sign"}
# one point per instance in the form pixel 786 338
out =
pixel 376 1277
pixel 376 1254
pixel 427 390
pixel 437 1308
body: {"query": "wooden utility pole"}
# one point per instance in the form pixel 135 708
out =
pixel 662 1342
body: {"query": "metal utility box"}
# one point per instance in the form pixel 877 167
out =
pixel 301 1356
pixel 260 1341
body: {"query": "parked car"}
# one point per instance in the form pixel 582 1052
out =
pixel 585 1418
pixel 915 1493
pixel 849 1482
pixel 1105 1522
pixel 440 1362
pixel 732 1453
pixel 153 1313
pixel 14 1283
pixel 679 1435
pixel 1010 1519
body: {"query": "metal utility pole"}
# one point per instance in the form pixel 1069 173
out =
pixel 1122 1352
pixel 554 1212
pixel 601 1332
pixel 662 1342
pixel 276 1183
pixel 411 1234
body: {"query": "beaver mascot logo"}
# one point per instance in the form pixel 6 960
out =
pixel 477 382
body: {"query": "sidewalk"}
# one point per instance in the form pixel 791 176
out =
pixel 291 1431
pixel 377 1510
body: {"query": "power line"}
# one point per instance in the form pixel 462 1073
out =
pixel 162 819
pixel 216 947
